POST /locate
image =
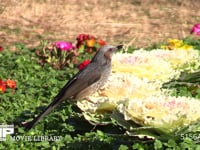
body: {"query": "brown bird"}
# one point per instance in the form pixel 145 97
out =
pixel 84 83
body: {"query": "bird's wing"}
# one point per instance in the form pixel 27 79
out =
pixel 78 83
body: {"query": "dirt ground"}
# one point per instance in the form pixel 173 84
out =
pixel 134 22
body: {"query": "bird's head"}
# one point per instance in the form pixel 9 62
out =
pixel 104 54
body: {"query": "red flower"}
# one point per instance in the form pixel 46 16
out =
pixel 2 86
pixel 82 38
pixel 84 64
pixel 1 81
pixel 1 48
pixel 11 84
pixel 101 42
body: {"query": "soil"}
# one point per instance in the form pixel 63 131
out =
pixel 131 22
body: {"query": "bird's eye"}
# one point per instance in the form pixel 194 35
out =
pixel 110 50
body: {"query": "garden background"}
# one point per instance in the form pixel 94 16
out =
pixel 24 23
pixel 137 22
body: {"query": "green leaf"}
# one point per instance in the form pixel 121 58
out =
pixel 158 145
pixel 123 147
pixel 81 49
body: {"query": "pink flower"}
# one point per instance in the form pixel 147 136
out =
pixel 84 64
pixel 196 29
pixel 65 46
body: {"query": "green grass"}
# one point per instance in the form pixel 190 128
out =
pixel 36 87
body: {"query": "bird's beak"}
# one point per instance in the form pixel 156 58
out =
pixel 119 47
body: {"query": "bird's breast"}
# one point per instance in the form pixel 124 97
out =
pixel 105 73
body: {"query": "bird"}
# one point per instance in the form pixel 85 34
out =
pixel 84 83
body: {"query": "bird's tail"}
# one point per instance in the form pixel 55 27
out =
pixel 31 124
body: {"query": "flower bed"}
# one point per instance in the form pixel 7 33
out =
pixel 151 95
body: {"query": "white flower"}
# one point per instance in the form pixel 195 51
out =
pixel 134 88
pixel 163 111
